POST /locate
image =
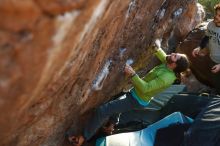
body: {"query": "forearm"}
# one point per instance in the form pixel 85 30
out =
pixel 138 83
pixel 161 55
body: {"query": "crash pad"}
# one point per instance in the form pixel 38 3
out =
pixel 144 137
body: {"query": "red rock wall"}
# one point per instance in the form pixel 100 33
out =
pixel 59 59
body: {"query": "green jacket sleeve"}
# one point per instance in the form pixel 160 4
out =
pixel 153 85
pixel 161 55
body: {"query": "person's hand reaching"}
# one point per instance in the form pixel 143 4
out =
pixel 197 52
pixel 129 70
pixel 216 68
pixel 156 45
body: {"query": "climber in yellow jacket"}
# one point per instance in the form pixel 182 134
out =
pixel 157 80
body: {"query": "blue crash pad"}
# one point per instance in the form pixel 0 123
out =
pixel 144 137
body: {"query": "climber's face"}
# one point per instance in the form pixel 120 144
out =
pixel 217 18
pixel 173 57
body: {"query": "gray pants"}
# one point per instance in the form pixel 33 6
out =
pixel 110 110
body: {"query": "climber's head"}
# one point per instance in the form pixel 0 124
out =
pixel 177 62
pixel 217 15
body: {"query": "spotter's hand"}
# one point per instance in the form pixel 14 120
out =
pixel 216 68
pixel 197 52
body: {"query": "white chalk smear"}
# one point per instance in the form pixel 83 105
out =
pixel 162 13
pixel 122 51
pixel 99 81
pixel 131 7
pixel 129 61
pixel 178 12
